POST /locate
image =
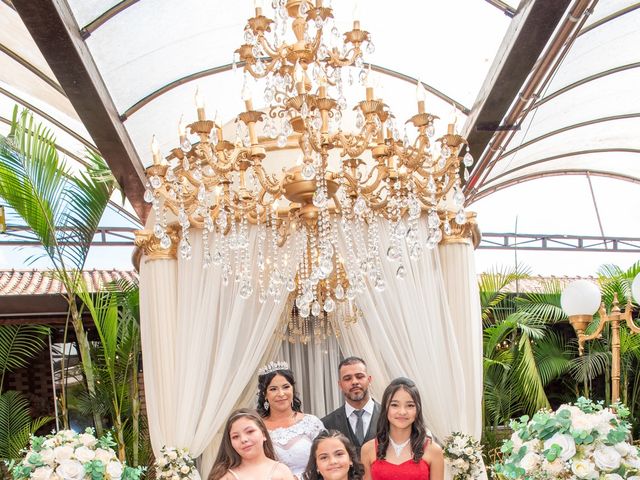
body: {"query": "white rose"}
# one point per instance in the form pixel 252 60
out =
pixel 517 441
pixel 584 469
pixel 566 443
pixel 162 462
pixel 70 470
pixel 607 458
pixel 185 469
pixel 530 462
pixel 468 451
pixel 624 449
pixel 632 461
pixel 49 443
pixel 172 454
pixel 533 445
pixel 87 440
pixel 114 470
pixel 554 468
pixel 460 464
pixel 613 476
pixel 105 456
pixel 42 473
pixel 48 456
pixel 635 477
pixel 64 452
pixel 175 477
pixel 85 454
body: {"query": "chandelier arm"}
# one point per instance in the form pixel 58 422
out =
pixel 269 183
pixel 271 51
pixel 382 172
pixel 354 145
pixel 337 60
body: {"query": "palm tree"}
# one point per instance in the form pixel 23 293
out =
pixel 62 209
pixel 115 312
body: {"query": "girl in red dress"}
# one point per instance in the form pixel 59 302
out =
pixel 402 449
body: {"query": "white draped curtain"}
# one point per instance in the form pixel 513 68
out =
pixel 202 344
pixel 315 366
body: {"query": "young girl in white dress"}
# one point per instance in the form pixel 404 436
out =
pixel 291 431
pixel 246 451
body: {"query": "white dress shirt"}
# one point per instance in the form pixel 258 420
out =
pixel 366 416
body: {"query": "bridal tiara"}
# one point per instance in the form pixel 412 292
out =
pixel 273 367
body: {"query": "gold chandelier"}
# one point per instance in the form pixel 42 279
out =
pixel 317 227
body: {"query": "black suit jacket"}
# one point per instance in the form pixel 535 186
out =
pixel 337 420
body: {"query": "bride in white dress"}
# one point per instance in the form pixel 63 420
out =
pixel 291 431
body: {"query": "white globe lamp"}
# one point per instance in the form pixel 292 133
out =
pixel 580 300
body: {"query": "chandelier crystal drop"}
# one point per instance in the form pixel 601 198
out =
pixel 313 230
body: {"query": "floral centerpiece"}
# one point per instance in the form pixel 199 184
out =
pixel 584 440
pixel 176 464
pixel 463 453
pixel 68 455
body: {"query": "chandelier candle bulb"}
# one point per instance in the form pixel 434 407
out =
pixel 182 129
pixel 155 150
pixel 421 96
pixel 200 105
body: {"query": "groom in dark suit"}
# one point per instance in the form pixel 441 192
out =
pixel 357 419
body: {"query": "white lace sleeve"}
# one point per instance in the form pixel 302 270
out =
pixel 315 426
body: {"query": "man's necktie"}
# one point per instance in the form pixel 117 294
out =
pixel 359 426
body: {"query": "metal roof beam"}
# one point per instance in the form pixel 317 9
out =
pixel 58 37
pixel 528 35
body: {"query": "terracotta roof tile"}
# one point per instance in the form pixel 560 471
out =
pixel 38 282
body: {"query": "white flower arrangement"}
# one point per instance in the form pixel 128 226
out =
pixel 463 453
pixel 580 441
pixel 68 455
pixel 175 464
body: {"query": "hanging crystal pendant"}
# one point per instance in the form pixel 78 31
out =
pixel 308 171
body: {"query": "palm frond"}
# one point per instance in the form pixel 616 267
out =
pixel 591 364
pixel 530 382
pixel 63 210
pixel 16 425
pixel 20 343
pixel 552 356
pixel 33 178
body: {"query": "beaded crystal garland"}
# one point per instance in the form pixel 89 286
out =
pixel 273 367
pixel 319 223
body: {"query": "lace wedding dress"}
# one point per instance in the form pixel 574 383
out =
pixel 293 444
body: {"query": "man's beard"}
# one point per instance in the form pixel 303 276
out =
pixel 357 396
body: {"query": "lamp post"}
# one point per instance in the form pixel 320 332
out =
pixel 580 300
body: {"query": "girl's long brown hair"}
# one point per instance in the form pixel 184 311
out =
pixel 227 456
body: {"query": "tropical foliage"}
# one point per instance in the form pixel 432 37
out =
pixel 531 358
pixel 18 344
pixel 61 207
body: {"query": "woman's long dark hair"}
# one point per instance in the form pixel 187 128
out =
pixel 263 383
pixel 227 456
pixel 356 471
pixel 418 430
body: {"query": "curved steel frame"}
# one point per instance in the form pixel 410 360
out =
pixel 564 155
pixel 551 173
pixel 33 69
pixel 566 129
pixel 225 68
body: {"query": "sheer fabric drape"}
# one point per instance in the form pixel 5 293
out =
pixel 202 344
pixel 315 366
